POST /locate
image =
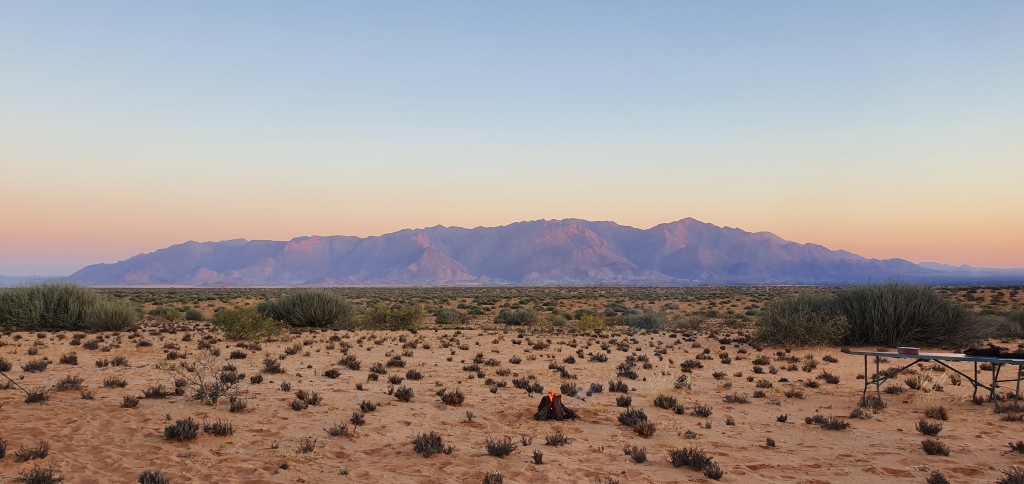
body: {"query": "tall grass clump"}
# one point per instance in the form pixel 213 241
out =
pixel 193 314
pixel 399 316
pixel 450 316
pixel 644 320
pixel 516 317
pixel 245 324
pixel 897 314
pixel 319 308
pixel 892 314
pixel 802 320
pixel 63 306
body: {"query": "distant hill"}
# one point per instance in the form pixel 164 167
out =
pixel 7 281
pixel 571 251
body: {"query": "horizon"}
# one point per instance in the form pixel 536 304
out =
pixel 886 130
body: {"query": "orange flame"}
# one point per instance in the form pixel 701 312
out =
pixel 551 396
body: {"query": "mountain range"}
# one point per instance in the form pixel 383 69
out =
pixel 555 252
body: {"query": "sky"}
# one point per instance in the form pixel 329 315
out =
pixel 889 129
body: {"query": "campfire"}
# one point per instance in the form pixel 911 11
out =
pixel 551 408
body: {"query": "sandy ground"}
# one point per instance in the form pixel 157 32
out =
pixel 96 440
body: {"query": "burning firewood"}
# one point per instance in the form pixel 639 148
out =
pixel 551 408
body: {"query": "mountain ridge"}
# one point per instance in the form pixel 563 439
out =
pixel 539 252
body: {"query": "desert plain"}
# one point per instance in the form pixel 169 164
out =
pixel 759 399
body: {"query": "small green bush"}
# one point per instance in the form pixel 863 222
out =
pixel 165 313
pixel 557 320
pixel 450 316
pixel 319 308
pixel 645 320
pixel 193 314
pixel 245 324
pixel 803 320
pixel 401 316
pixel 591 322
pixel 516 317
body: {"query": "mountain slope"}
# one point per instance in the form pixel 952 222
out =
pixel 567 251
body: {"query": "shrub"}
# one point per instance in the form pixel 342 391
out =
pixel 193 314
pixel 897 314
pixel 111 315
pixel 450 316
pixel 828 423
pixel 701 410
pixel 70 382
pixel 404 393
pixel 37 395
pixel 245 324
pixel 802 320
pixel 400 316
pixel 591 322
pixel 319 308
pixel 631 417
pixel 40 475
pixel 307 445
pixel 238 404
pixel 638 454
pixel 937 412
pixel 165 313
pixel 500 447
pixel 493 477
pixel 35 366
pixel 645 429
pixel 156 392
pixel 454 398
pixel 153 477
pixel 929 428
pixel 645 320
pixel 25 454
pixel 934 447
pixel 338 430
pixel 692 457
pixel 63 306
pixel 114 382
pixel 516 317
pixel 936 477
pixel 618 386
pixel 664 401
pixel 219 428
pixel 1013 476
pixel 430 444
pixel 182 430
pixel 556 439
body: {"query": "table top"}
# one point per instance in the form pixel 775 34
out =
pixel 943 356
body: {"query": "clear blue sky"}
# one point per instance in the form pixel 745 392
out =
pixel 890 129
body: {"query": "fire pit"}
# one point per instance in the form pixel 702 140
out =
pixel 551 408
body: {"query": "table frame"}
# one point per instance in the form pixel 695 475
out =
pixel 942 358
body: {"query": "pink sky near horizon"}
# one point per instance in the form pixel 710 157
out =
pixel 73 239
